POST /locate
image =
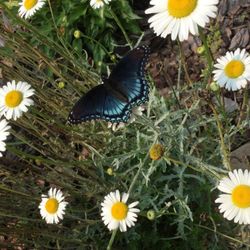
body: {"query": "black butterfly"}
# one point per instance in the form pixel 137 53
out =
pixel 113 100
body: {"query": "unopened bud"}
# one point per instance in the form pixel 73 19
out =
pixel 151 214
pixel 200 50
pixel 77 34
pixel 214 86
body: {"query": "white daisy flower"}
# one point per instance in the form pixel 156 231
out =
pixel 96 4
pixel 116 213
pixel 233 70
pixel 52 206
pixel 4 127
pixel 29 7
pixel 136 111
pixel 14 99
pixel 178 18
pixel 235 203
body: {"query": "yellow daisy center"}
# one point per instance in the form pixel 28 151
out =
pixel 29 4
pixel 13 98
pixel 119 210
pixel 234 69
pixel 241 196
pixel 52 205
pixel 181 8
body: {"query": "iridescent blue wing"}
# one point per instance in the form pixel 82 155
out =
pixel 113 101
pixel 98 103
pixel 128 77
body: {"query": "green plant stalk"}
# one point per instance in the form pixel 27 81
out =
pixel 18 217
pixel 208 54
pixel 223 235
pixel 220 100
pixel 224 150
pixel 57 33
pixel 121 27
pixel 184 65
pixel 244 104
pixel 176 162
pixel 138 173
pixel 18 193
pixel 109 247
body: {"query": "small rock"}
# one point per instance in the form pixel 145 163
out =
pixel 230 105
pixel 240 158
pixel 240 40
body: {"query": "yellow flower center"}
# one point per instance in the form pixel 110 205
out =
pixel 13 98
pixel 29 4
pixel 181 8
pixel 119 210
pixel 52 205
pixel 234 69
pixel 241 196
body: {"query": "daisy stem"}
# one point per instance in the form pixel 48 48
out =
pixel 244 104
pixel 57 32
pixel 183 62
pixel 121 27
pixel 18 217
pixel 224 150
pixel 109 247
pixel 208 54
pixel 177 162
pixel 2 187
pixel 139 170
pixel 223 235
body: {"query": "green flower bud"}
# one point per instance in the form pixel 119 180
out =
pixel 77 34
pixel 200 50
pixel 214 86
pixel 113 58
pixel 109 171
pixel 61 85
pixel 151 214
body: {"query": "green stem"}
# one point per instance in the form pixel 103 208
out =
pixel 2 187
pixel 121 27
pixel 177 162
pixel 244 104
pixel 139 171
pixel 208 54
pixel 224 150
pixel 184 65
pixel 109 247
pixel 223 235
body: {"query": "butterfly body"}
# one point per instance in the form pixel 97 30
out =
pixel 113 100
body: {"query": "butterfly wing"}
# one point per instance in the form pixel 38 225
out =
pixel 128 76
pixel 113 100
pixel 98 103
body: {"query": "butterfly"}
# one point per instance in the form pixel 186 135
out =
pixel 125 88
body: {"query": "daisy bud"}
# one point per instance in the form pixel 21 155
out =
pixel 61 85
pixel 77 34
pixel 156 151
pixel 151 214
pixel 200 50
pixel 214 86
